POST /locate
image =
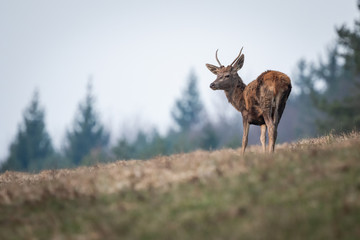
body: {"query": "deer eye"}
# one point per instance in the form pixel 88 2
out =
pixel 227 76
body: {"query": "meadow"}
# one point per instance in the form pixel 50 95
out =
pixel 309 189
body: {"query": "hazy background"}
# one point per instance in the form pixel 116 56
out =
pixel 139 54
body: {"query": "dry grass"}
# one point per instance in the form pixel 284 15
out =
pixel 302 190
pixel 161 172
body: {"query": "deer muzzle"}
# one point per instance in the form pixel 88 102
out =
pixel 213 86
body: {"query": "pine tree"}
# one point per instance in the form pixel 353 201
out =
pixel 124 150
pixel 87 132
pixel 342 105
pixel 188 110
pixel 145 146
pixel 209 138
pixel 350 41
pixel 32 144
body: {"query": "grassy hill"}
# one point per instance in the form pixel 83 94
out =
pixel 306 190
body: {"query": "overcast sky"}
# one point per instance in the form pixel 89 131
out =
pixel 140 53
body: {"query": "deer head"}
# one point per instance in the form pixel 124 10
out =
pixel 227 77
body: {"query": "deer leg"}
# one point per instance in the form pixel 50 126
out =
pixel 246 127
pixel 263 137
pixel 272 132
pixel 276 111
pixel 274 137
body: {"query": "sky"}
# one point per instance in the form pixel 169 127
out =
pixel 139 54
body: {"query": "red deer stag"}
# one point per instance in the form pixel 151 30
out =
pixel 261 102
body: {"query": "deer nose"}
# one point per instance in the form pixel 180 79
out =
pixel 212 85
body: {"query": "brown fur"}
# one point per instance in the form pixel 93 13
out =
pixel 261 102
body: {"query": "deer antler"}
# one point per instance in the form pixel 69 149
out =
pixel 217 58
pixel 237 56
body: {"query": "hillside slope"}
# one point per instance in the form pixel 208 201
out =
pixel 310 188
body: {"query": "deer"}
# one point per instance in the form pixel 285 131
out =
pixel 261 102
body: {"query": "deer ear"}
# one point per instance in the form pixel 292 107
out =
pixel 239 63
pixel 212 68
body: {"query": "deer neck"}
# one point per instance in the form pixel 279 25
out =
pixel 235 94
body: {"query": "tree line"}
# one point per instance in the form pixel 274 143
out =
pixel 327 99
